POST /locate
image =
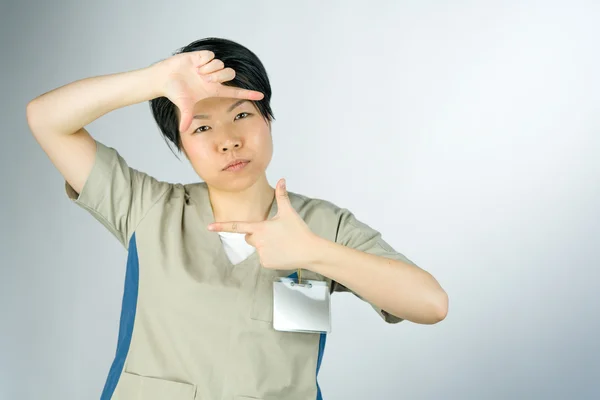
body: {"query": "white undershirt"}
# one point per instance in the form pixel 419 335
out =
pixel 236 247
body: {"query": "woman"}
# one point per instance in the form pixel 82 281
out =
pixel 204 259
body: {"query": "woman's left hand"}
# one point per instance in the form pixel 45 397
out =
pixel 283 242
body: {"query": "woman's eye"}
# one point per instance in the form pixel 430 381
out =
pixel 242 115
pixel 203 128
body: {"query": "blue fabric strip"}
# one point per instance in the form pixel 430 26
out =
pixel 128 309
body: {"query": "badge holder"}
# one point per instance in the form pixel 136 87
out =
pixel 301 305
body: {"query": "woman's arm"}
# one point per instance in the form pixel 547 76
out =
pixel 57 118
pixel 401 289
pixel 286 242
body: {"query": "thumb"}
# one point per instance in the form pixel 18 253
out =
pixel 186 118
pixel 283 199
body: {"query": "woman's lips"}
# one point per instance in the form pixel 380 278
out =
pixel 237 166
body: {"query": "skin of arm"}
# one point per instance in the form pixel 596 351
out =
pixel 401 289
pixel 57 118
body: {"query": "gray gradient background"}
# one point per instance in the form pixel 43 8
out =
pixel 468 134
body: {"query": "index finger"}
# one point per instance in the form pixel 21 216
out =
pixel 233 227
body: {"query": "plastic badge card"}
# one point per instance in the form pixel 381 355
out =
pixel 301 307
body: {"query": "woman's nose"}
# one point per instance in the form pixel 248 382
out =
pixel 230 144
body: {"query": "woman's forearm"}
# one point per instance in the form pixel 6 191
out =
pixel 69 108
pixel 403 290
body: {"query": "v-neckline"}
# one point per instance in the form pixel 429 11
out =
pixel 201 201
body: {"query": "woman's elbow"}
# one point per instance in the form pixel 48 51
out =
pixel 439 307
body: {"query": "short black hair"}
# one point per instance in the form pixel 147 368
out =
pixel 249 74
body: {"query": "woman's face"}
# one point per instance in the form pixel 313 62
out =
pixel 226 130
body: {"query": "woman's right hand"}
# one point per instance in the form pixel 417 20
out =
pixel 187 78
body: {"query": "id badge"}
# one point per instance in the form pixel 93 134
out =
pixel 301 307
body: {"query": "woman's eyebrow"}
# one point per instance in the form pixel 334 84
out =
pixel 237 103
pixel 230 109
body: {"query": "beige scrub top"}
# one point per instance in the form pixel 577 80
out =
pixel 193 326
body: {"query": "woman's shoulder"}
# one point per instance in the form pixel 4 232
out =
pixel 196 192
pixel 316 207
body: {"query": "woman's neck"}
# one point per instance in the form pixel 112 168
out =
pixel 252 204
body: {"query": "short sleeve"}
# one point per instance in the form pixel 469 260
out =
pixel 358 235
pixel 116 195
